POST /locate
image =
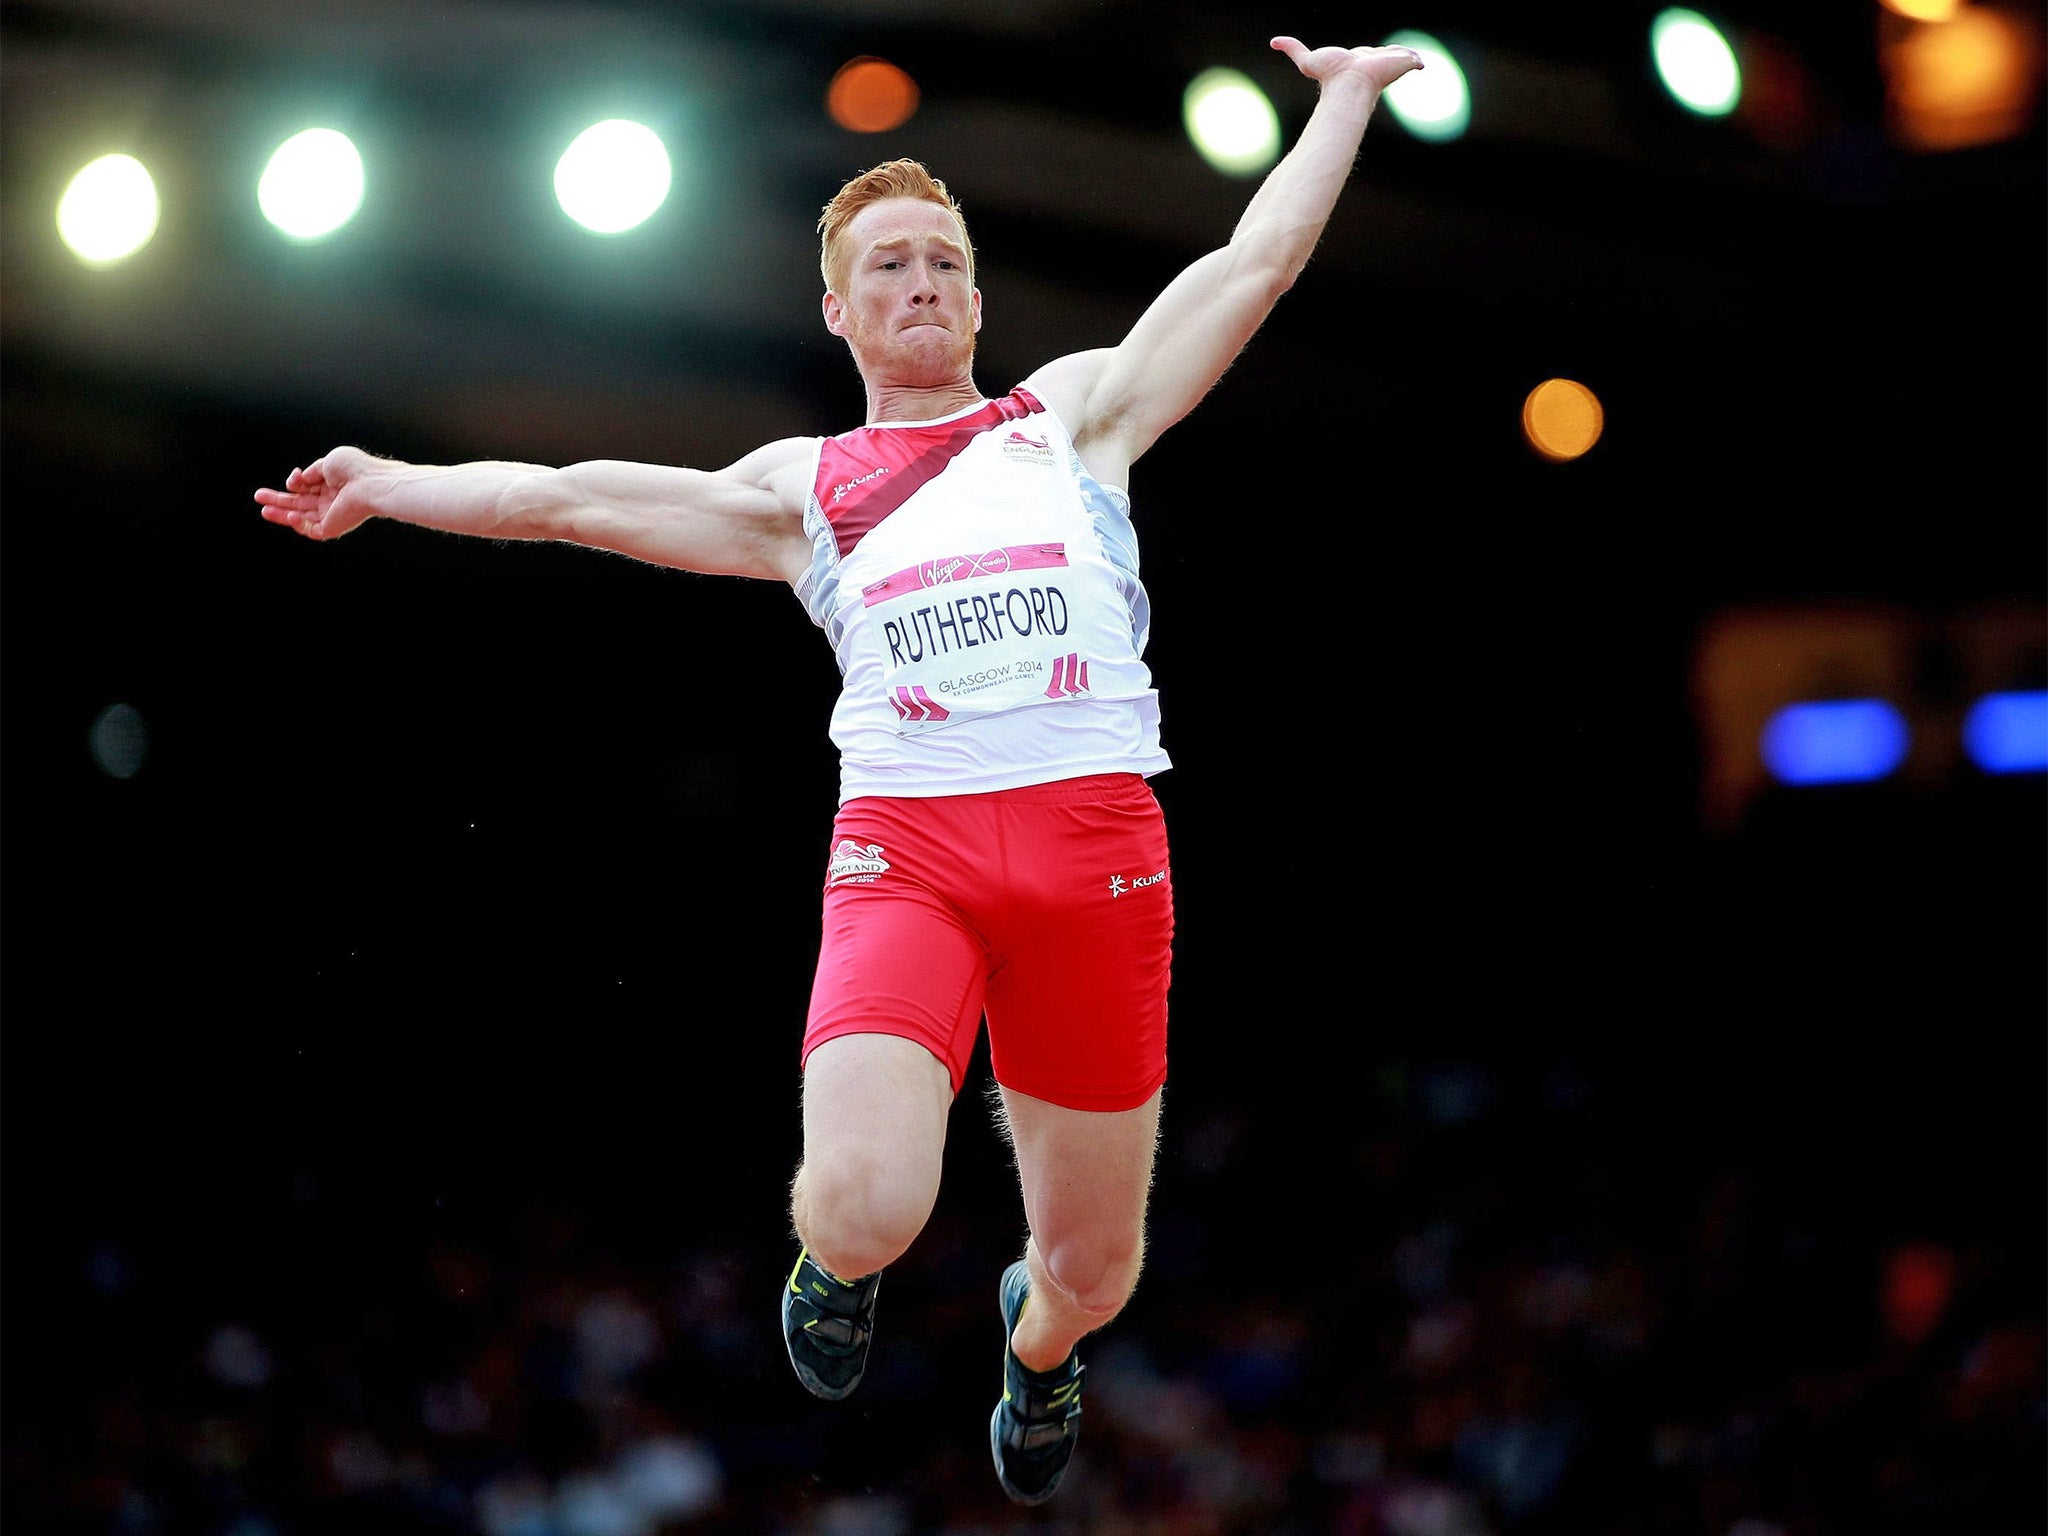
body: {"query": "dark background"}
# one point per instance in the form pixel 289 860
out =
pixel 450 947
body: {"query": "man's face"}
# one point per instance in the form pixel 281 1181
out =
pixel 909 309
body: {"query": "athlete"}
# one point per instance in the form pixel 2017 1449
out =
pixel 998 853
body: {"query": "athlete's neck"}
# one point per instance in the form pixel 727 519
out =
pixel 899 402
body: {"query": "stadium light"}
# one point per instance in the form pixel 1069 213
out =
pixel 613 176
pixel 109 211
pixel 871 95
pixel 1922 10
pixel 1695 62
pixel 1562 419
pixel 2008 732
pixel 1969 80
pixel 1433 102
pixel 1231 122
pixel 313 184
pixel 120 741
pixel 1835 741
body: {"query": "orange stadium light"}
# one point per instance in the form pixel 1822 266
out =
pixel 1923 10
pixel 1972 79
pixel 1562 419
pixel 871 95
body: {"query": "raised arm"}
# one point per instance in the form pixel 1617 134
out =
pixel 743 520
pixel 1118 401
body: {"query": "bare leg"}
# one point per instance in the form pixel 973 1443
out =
pixel 1085 1177
pixel 875 1111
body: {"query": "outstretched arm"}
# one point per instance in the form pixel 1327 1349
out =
pixel 743 520
pixel 1119 400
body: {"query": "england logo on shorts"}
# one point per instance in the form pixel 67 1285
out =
pixel 855 863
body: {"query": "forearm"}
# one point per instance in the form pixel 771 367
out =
pixel 492 498
pixel 1286 216
pixel 1188 335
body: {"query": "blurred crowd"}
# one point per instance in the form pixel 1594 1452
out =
pixel 1486 1307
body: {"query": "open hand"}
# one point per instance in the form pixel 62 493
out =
pixel 1378 67
pixel 322 500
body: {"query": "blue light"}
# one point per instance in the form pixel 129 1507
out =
pixel 2008 732
pixel 1842 741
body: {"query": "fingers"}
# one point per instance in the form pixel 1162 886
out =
pixel 311 478
pixel 294 519
pixel 299 506
pixel 299 513
pixel 1299 51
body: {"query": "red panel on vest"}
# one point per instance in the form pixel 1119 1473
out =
pixel 866 474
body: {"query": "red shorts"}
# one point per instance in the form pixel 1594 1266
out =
pixel 1049 909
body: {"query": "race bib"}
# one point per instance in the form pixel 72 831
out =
pixel 980 634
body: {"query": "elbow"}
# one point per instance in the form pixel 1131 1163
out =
pixel 1261 288
pixel 537 504
pixel 1281 266
pixel 1263 273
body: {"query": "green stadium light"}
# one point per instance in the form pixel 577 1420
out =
pixel 109 211
pixel 613 176
pixel 313 184
pixel 1433 102
pixel 1231 122
pixel 1695 62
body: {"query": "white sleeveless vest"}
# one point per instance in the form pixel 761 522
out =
pixel 980 590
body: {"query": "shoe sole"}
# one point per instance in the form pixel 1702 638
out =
pixel 995 1448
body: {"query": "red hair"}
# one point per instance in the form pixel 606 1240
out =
pixel 892 178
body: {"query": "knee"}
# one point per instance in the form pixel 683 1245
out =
pixel 858 1214
pixel 1096 1273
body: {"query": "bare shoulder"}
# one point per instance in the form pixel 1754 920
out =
pixel 1067 383
pixel 781 468
pixel 1069 386
pixel 767 517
